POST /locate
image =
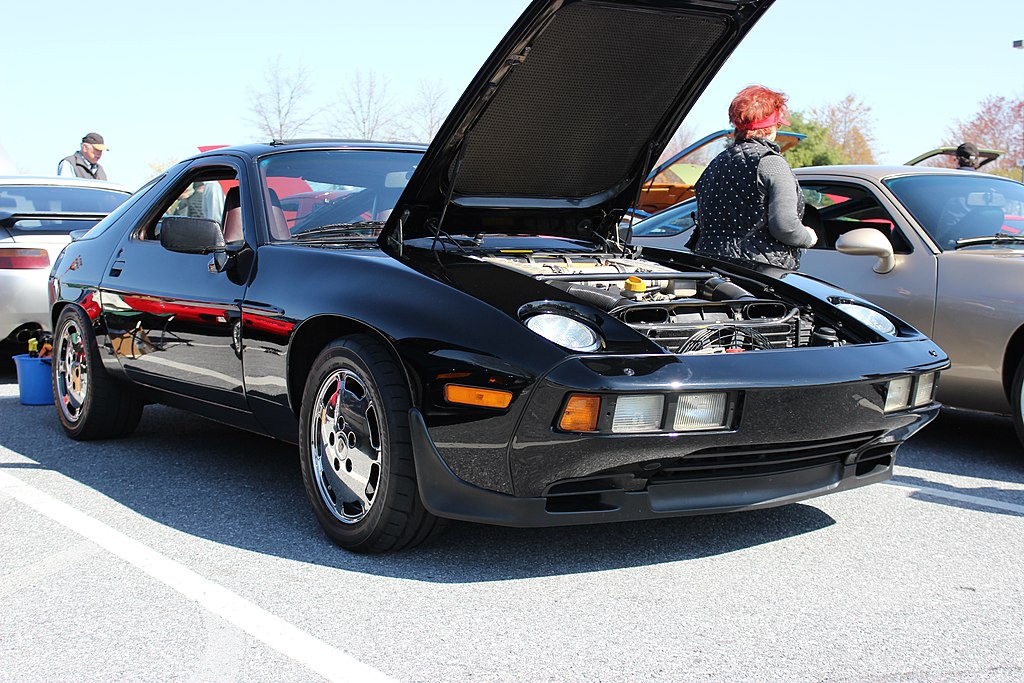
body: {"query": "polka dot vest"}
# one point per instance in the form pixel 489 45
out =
pixel 732 210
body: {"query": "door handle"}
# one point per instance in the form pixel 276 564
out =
pixel 115 269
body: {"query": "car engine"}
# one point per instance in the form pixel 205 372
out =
pixel 684 312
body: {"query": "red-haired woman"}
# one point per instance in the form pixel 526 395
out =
pixel 749 204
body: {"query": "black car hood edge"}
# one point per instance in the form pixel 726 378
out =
pixel 567 116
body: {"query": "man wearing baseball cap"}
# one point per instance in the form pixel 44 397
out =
pixel 967 158
pixel 85 163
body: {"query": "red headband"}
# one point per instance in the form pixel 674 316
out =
pixel 777 118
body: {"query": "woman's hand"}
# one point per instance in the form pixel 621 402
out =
pixel 813 235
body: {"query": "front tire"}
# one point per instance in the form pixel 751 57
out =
pixel 90 404
pixel 356 452
pixel 1017 399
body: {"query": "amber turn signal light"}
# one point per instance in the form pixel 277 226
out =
pixel 474 396
pixel 581 413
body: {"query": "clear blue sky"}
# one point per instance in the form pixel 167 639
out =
pixel 157 80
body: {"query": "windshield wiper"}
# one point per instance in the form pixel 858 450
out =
pixel 360 229
pixel 989 239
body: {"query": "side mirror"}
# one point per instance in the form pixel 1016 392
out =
pixel 191 235
pixel 868 242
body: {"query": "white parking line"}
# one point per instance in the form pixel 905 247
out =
pixel 311 652
pixel 976 501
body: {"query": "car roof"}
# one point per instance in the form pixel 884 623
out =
pixel 62 181
pixel 875 172
pixel 255 149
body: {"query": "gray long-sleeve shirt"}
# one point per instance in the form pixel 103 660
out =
pixel 775 179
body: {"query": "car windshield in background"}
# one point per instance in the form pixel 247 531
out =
pixel 55 226
pixel 955 210
pixel 45 199
pixel 334 193
pixel 674 221
pixel 58 199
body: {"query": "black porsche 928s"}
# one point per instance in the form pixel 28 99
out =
pixel 457 330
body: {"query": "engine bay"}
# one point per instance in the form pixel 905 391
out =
pixel 685 312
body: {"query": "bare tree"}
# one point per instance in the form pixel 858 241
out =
pixel 424 116
pixel 848 124
pixel 680 139
pixel 161 165
pixel 281 109
pixel 366 111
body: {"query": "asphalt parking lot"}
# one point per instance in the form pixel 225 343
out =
pixel 188 553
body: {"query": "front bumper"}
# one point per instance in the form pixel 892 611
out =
pixel 812 422
pixel 446 495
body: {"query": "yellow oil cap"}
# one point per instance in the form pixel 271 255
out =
pixel 635 284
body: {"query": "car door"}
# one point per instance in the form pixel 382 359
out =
pixel 844 204
pixel 174 318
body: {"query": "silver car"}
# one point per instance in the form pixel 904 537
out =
pixel 943 249
pixel 37 215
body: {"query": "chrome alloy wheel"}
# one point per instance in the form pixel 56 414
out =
pixel 72 371
pixel 345 446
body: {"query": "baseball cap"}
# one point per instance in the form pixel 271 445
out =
pixel 96 140
pixel 967 150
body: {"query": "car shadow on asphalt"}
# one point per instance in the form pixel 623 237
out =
pixel 244 490
pixel 967 443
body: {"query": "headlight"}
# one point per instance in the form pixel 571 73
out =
pixel 567 332
pixel 872 319
pixel 897 393
pixel 635 414
pixel 924 392
pixel 701 411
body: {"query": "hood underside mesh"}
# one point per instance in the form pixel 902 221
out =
pixel 573 118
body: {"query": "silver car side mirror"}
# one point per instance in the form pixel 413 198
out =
pixel 868 242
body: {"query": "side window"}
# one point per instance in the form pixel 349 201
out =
pixel 834 209
pixel 210 193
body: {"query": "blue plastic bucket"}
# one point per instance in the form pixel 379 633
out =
pixel 35 388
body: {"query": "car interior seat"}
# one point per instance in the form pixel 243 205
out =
pixel 981 222
pixel 278 223
pixel 812 219
pixel 232 222
pixel 385 201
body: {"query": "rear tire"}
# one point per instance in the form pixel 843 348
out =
pixel 1017 399
pixel 356 452
pixel 90 404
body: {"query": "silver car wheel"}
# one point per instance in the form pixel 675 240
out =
pixel 345 446
pixel 72 371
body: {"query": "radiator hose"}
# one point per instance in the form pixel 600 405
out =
pixel 721 289
pixel 599 298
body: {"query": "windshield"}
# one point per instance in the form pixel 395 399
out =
pixel 59 199
pixel 333 193
pixel 672 221
pixel 954 208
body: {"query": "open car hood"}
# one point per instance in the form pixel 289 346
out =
pixel 786 140
pixel 565 119
pixel 985 156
